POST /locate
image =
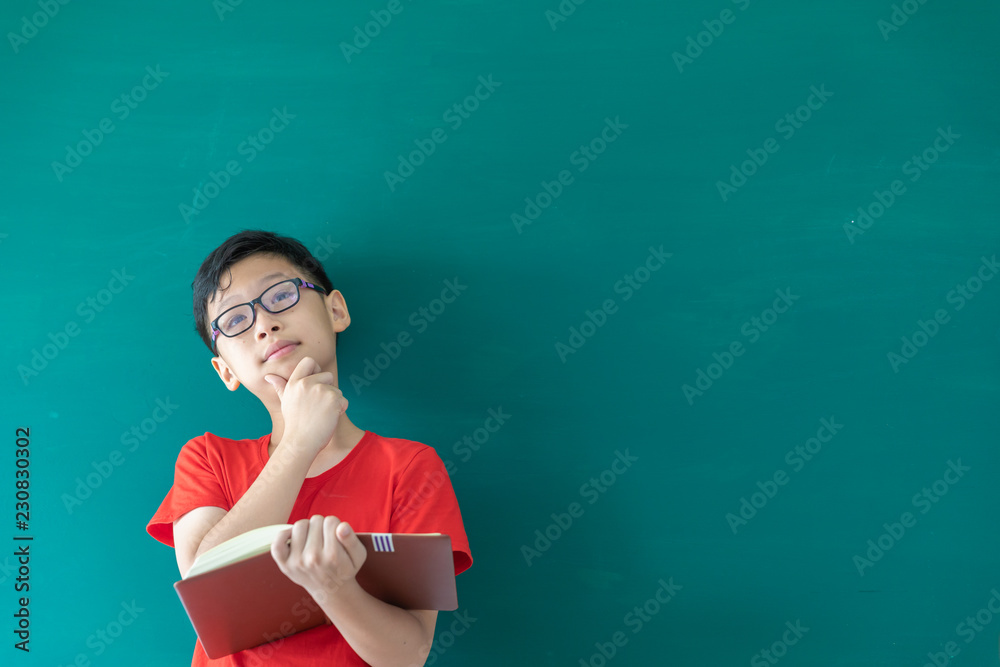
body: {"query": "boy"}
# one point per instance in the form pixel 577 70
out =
pixel 270 315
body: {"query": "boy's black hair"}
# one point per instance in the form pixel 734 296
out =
pixel 239 247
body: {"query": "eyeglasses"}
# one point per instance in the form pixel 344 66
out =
pixel 275 299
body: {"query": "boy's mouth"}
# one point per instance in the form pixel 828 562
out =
pixel 278 349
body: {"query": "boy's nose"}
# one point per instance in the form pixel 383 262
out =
pixel 266 321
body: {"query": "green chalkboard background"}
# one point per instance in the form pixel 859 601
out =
pixel 754 208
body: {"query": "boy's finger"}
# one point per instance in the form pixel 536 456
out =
pixel 330 545
pixel 314 367
pixel 281 546
pixel 323 378
pixel 355 549
pixel 299 537
pixel 314 536
pixel 277 382
pixel 307 366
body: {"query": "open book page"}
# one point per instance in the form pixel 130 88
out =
pixel 235 549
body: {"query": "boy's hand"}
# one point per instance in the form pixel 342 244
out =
pixel 310 405
pixel 324 554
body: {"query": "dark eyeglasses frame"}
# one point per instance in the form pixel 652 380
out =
pixel 298 282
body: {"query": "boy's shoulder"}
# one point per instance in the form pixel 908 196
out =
pixel 396 448
pixel 216 450
pixel 395 456
pixel 209 441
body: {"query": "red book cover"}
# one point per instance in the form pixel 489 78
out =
pixel 251 602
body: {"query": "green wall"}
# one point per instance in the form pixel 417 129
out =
pixel 805 553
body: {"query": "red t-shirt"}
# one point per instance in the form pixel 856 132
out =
pixel 383 485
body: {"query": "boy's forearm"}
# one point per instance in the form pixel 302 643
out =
pixel 268 501
pixel 382 634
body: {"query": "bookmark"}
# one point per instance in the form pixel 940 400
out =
pixel 382 541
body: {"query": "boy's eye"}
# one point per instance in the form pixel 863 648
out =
pixel 282 295
pixel 233 321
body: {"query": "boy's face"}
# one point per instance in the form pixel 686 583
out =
pixel 310 326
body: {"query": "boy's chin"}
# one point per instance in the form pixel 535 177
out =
pixel 282 366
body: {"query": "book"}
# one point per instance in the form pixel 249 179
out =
pixel 237 597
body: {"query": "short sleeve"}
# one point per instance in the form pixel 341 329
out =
pixel 424 502
pixel 197 483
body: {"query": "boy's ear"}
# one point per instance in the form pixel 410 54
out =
pixel 337 308
pixel 225 373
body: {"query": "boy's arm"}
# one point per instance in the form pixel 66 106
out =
pixel 311 407
pixel 324 556
pixel 383 634
pixel 269 500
